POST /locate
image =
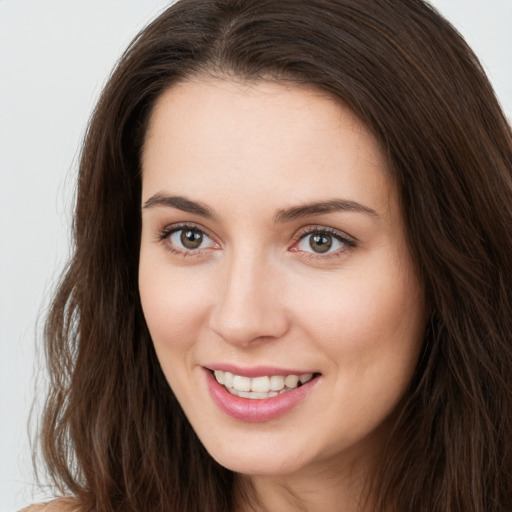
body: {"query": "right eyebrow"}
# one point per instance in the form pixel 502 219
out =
pixel 180 203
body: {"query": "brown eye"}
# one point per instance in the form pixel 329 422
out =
pixel 191 238
pixel 187 240
pixel 320 242
pixel 323 242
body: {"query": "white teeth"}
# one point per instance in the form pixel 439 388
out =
pixel 305 378
pixel 252 394
pixel 228 379
pixel 291 381
pixel 276 383
pixel 260 384
pixel 260 387
pixel 241 383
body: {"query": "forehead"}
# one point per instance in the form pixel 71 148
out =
pixel 219 137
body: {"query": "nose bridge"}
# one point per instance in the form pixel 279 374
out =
pixel 249 306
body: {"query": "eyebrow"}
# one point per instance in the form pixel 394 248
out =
pixel 318 208
pixel 180 203
pixel 281 216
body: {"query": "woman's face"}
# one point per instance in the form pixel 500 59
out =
pixel 273 259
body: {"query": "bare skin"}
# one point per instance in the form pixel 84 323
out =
pixel 59 505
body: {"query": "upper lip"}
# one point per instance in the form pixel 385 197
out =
pixel 256 371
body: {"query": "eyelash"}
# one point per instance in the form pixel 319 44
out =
pixel 166 233
pixel 348 242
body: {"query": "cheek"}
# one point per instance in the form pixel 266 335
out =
pixel 173 306
pixel 373 318
pixel 370 329
pixel 173 311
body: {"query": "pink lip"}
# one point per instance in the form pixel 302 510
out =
pixel 257 371
pixel 249 410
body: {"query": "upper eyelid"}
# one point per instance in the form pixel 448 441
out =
pixel 171 228
pixel 324 229
pixel 162 235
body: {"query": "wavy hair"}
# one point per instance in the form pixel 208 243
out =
pixel 114 436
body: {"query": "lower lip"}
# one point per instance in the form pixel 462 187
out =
pixel 256 410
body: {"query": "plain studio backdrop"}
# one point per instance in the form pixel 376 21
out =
pixel 55 56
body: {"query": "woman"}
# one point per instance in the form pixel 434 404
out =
pixel 290 285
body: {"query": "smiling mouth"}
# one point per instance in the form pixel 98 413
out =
pixel 259 388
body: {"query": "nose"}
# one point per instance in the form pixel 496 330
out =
pixel 249 307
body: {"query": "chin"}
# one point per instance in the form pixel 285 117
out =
pixel 262 466
pixel 257 461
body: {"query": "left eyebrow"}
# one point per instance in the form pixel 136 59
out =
pixel 318 208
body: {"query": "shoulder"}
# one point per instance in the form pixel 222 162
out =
pixel 58 505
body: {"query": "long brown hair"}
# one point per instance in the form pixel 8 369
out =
pixel 113 434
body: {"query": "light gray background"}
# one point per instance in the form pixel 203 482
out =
pixel 55 56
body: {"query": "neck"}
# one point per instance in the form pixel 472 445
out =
pixel 313 489
pixel 343 482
